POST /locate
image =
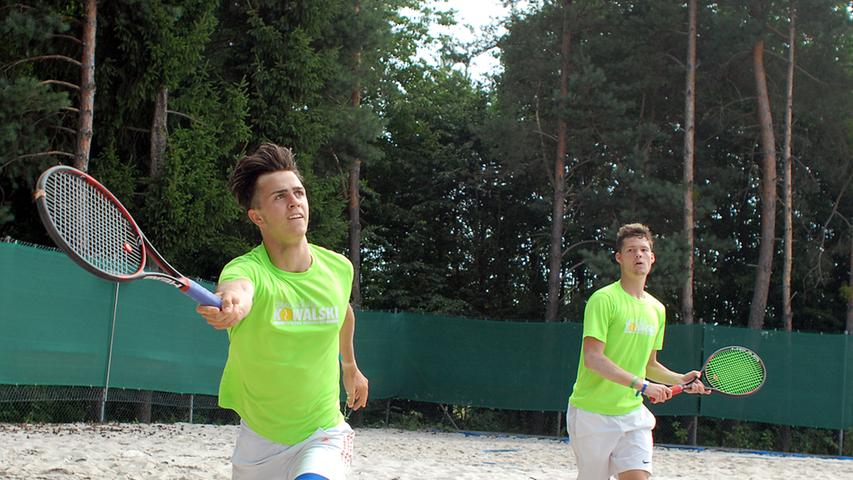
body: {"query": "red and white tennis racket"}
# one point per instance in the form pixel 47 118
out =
pixel 96 231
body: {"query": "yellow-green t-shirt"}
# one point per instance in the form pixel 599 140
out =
pixel 630 329
pixel 282 375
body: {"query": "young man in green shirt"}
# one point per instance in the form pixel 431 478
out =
pixel 609 427
pixel 290 326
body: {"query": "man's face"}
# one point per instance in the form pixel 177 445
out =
pixel 280 206
pixel 636 257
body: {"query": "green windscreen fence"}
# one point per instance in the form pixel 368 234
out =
pixel 62 326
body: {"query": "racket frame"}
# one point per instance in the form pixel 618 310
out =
pixel 168 274
pixel 676 389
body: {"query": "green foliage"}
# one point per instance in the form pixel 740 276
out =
pixel 43 412
pixel 186 211
pixel 28 110
pixel 419 193
pixel 27 30
pixel 161 42
pixel 742 435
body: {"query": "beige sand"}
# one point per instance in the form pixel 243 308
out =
pixel 184 451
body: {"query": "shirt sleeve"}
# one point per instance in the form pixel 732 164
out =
pixel 596 317
pixel 661 311
pixel 238 268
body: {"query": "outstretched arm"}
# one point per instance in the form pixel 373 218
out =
pixel 354 382
pixel 236 304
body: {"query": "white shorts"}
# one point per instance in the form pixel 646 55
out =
pixel 607 445
pixel 325 452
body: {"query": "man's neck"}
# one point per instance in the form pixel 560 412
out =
pixel 293 258
pixel 636 287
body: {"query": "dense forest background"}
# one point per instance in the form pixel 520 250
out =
pixel 442 188
pixel 495 198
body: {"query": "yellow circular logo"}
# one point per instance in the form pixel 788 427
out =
pixel 286 314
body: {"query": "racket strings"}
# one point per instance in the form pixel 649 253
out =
pixel 735 372
pixel 92 225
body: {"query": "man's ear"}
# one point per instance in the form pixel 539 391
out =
pixel 255 217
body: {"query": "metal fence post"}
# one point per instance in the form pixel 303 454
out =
pixel 844 399
pixel 105 393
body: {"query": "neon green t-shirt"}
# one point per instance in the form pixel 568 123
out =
pixel 282 375
pixel 630 329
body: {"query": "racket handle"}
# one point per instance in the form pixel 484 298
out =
pixel 202 295
pixel 676 389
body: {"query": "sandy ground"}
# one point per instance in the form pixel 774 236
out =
pixel 184 451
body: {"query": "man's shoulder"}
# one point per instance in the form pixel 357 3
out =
pixel 610 290
pixel 329 255
pixel 604 298
pixel 654 301
pixel 244 266
pixel 253 256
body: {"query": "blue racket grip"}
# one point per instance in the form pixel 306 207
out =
pixel 202 295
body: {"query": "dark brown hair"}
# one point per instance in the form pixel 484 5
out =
pixel 268 158
pixel 634 230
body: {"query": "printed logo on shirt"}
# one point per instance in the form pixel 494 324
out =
pixel 639 328
pixel 308 314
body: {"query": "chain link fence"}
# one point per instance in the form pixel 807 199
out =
pixel 58 404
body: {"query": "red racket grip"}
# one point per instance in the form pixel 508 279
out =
pixel 676 389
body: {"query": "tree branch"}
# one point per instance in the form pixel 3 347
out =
pixel 182 115
pixel 801 69
pixel 43 57
pixel 67 37
pixel 832 214
pixel 39 154
pixel 60 82
pixel 583 242
pixel 65 129
pixel 676 60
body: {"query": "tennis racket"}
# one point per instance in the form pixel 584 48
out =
pixel 735 371
pixel 96 231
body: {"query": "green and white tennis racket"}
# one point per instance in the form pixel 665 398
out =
pixel 735 371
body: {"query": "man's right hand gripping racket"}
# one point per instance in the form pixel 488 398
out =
pixel 735 371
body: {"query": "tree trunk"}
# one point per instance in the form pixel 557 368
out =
pixel 159 132
pixel 849 329
pixel 355 230
pixel 87 87
pixel 788 199
pixel 689 140
pixel 556 260
pixel 787 311
pixel 354 182
pixel 768 191
pixel 689 211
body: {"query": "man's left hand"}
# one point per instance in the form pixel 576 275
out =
pixel 696 386
pixel 356 386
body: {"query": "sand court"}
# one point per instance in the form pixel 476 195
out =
pixel 186 451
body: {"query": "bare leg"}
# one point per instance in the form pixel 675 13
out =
pixel 634 475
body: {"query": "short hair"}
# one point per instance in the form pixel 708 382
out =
pixel 631 230
pixel 268 158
